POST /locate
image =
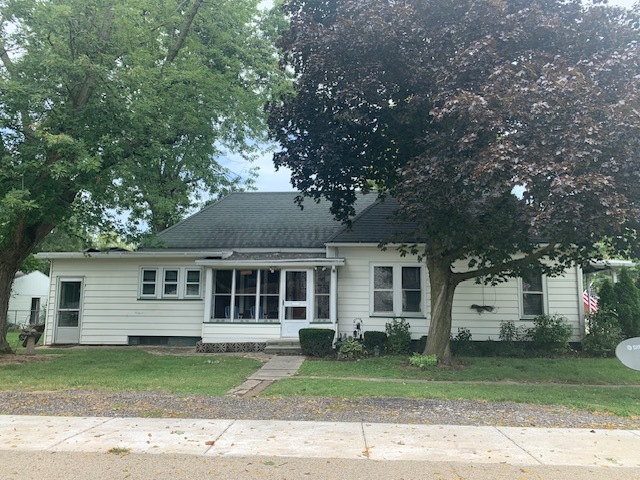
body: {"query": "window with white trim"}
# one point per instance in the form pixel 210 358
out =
pixel 170 283
pixel 193 282
pixel 322 293
pixel 396 290
pixel 532 300
pixel 149 279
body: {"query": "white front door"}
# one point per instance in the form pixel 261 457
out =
pixel 68 318
pixel 296 312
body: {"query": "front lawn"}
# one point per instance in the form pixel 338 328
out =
pixel 599 385
pixel 588 371
pixel 621 401
pixel 125 369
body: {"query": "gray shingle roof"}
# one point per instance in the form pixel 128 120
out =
pixel 258 220
pixel 375 224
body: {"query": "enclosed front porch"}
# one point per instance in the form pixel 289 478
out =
pixel 260 301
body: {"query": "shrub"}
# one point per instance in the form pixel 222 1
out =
pixel 604 334
pixel 461 344
pixel 627 304
pixel 350 349
pixel 419 345
pixel 398 336
pixel 423 362
pixel 373 339
pixel 316 342
pixel 549 334
pixel 510 333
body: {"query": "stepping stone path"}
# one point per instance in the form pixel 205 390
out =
pixel 276 368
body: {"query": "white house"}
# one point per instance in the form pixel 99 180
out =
pixel 254 267
pixel 29 294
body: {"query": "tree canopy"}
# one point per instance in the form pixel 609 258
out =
pixel 123 103
pixel 507 130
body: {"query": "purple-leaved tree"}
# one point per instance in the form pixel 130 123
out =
pixel 508 130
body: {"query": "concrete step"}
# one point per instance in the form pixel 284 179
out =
pixel 283 346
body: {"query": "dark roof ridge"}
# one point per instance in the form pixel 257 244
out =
pixel 358 215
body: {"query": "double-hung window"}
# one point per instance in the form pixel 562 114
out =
pixel 533 290
pixel 396 290
pixel 170 283
pixel 149 283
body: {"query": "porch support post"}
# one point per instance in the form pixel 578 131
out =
pixel 333 299
pixel 581 312
pixel 208 294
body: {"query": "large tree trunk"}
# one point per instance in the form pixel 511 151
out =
pixel 17 246
pixel 443 286
pixel 9 266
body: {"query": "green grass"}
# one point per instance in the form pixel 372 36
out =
pixel 621 401
pixel 599 385
pixel 127 370
pixel 589 371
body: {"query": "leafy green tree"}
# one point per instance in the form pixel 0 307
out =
pixel 505 129
pixel 627 304
pixel 122 103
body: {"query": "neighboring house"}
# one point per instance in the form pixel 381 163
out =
pixel 29 294
pixel 254 267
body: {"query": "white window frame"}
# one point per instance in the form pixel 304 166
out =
pixel 157 283
pixel 186 282
pixel 181 291
pixel 397 290
pixel 177 282
pixel 545 298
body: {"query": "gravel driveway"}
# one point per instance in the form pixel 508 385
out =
pixel 374 410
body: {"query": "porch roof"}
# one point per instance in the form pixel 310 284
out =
pixel 267 260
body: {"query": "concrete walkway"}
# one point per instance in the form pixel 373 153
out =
pixel 276 368
pixel 365 441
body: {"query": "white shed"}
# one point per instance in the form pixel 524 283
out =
pixel 29 295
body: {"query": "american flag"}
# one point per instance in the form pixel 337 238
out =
pixel 590 301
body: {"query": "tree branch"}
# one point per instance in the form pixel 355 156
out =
pixel 173 51
pixel 515 263
pixel 4 56
pixel 83 97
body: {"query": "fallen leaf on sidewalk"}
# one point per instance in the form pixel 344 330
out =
pixel 210 442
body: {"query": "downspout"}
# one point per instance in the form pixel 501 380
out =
pixel 333 296
pixel 581 313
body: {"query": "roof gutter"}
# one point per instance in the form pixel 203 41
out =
pixel 279 263
pixel 155 254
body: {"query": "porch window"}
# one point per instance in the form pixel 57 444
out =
pixel 533 295
pixel 244 295
pixel 322 291
pixel 396 290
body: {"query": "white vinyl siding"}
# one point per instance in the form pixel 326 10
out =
pixel 356 287
pixel 112 310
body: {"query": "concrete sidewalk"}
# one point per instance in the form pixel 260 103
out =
pixel 237 438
